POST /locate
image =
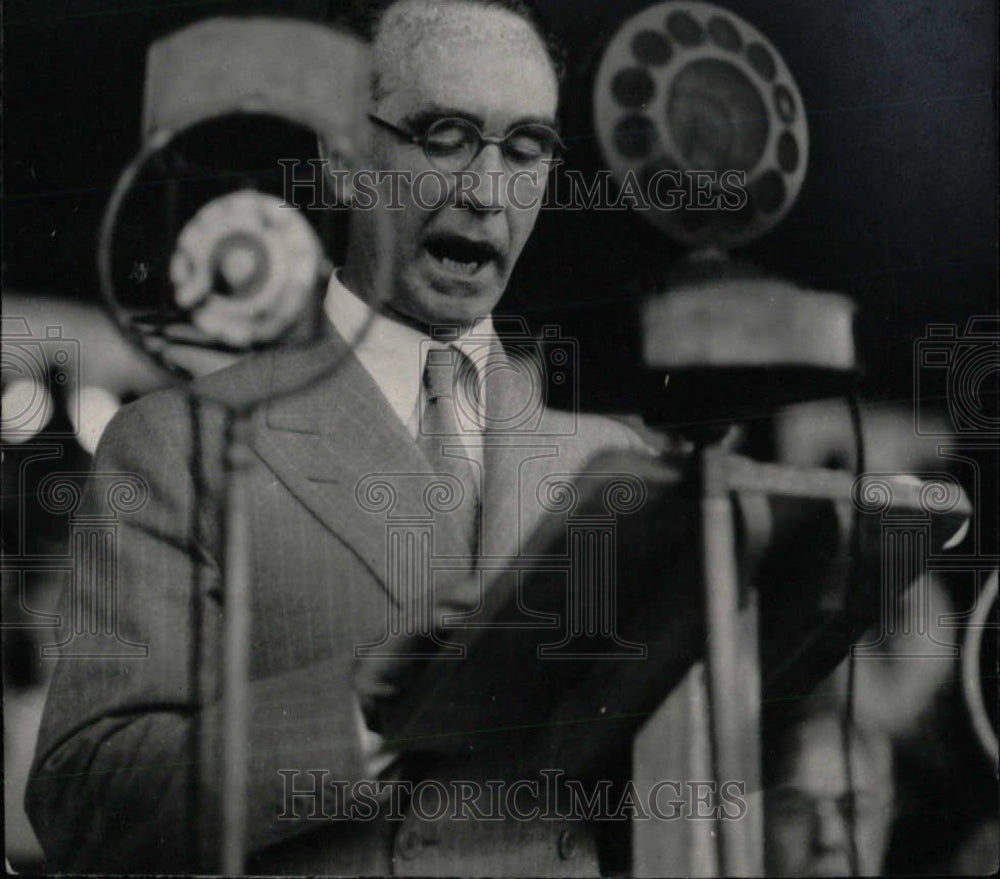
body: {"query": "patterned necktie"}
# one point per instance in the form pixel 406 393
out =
pixel 440 432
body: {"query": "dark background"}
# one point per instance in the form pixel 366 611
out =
pixel 898 209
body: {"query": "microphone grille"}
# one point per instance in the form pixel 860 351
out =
pixel 686 87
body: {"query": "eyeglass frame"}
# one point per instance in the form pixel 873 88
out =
pixel 420 140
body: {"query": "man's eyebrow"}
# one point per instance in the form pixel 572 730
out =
pixel 547 121
pixel 426 116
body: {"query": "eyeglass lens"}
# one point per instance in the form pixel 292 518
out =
pixel 453 144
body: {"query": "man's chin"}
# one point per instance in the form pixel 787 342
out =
pixel 830 866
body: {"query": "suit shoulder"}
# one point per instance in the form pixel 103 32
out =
pixel 241 384
pixel 145 420
pixel 169 412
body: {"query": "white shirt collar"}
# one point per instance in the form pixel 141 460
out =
pixel 392 352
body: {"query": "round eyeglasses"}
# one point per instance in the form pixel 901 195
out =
pixel 453 144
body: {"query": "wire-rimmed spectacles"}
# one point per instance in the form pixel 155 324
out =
pixel 453 144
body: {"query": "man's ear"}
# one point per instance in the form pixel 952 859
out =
pixel 343 157
pixel 340 160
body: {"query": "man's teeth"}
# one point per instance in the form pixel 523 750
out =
pixel 467 268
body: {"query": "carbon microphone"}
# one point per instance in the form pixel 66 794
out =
pixel 200 256
pixel 691 88
pixel 687 88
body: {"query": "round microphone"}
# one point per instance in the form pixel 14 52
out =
pixel 245 268
pixel 200 260
pixel 693 101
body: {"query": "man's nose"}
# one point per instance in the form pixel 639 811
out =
pixel 483 185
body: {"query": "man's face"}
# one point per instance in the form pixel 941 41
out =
pixel 448 260
pixel 808 813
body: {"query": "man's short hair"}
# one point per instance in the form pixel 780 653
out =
pixel 365 16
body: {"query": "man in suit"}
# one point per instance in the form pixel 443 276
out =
pixel 814 804
pixel 126 775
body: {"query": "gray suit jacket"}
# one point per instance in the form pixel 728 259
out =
pixel 126 770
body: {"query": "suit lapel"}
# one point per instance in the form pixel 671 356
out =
pixel 333 440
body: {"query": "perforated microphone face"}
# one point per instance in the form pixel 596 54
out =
pixel 245 268
pixel 687 87
pixel 202 254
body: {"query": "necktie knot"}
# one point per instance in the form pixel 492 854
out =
pixel 441 372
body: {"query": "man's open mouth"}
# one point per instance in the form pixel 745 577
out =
pixel 461 255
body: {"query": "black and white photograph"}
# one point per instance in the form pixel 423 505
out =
pixel 500 438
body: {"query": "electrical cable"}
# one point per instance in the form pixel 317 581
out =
pixel 847 725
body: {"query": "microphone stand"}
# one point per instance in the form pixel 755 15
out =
pixel 731 667
pixel 236 639
pixel 210 69
pixel 732 688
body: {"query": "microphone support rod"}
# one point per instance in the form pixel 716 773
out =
pixel 732 669
pixel 236 646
